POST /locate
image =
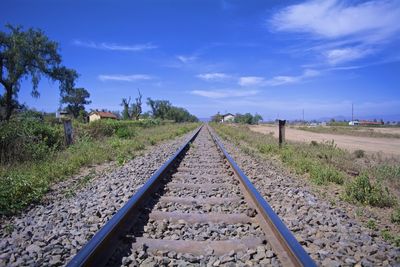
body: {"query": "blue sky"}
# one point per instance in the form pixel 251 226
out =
pixel 271 57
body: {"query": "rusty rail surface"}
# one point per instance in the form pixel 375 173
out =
pixel 100 248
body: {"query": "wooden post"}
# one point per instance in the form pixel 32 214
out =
pixel 281 132
pixel 68 132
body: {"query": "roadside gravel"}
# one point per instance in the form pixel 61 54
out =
pixel 330 236
pixel 52 232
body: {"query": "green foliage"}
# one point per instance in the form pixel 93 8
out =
pixel 395 216
pixel 362 190
pixel 247 118
pixel 388 236
pixel 371 224
pixel 163 109
pixel 26 183
pixel 76 99
pixel 27 54
pixel 217 117
pixel 25 139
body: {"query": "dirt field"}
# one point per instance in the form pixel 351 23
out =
pixel 387 146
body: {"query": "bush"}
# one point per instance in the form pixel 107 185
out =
pixel 25 139
pixel 359 153
pixel 363 191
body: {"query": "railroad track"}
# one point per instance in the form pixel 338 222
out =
pixel 198 209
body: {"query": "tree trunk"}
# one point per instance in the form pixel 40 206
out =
pixel 8 102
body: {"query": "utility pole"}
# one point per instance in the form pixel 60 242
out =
pixel 303 114
pixel 352 112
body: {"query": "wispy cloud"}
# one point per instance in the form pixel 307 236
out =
pixel 186 59
pixel 214 76
pixel 224 93
pixel 124 78
pixel 351 30
pixel 277 80
pixel 114 46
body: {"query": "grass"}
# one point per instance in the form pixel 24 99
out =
pixel 347 130
pixel 324 163
pixel 25 183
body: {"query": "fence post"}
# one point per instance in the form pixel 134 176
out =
pixel 281 132
pixel 68 132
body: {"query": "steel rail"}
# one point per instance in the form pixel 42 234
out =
pixel 297 255
pixel 100 248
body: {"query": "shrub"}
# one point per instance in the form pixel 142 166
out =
pixel 25 139
pixel 395 216
pixel 359 153
pixel 363 191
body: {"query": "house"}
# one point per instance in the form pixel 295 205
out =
pixel 229 117
pixel 98 115
pixel 354 123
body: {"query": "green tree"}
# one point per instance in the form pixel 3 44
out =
pixel 217 117
pixel 137 107
pixel 159 108
pixel 256 119
pixel 29 54
pixel 76 99
pixel 126 115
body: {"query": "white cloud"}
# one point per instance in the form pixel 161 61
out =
pixel 341 55
pixel 224 93
pixel 213 76
pixel 186 59
pixel 124 78
pixel 351 30
pixel 251 81
pixel 334 18
pixel 277 80
pixel 113 46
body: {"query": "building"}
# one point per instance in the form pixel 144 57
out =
pixel 229 117
pixel 354 123
pixel 371 123
pixel 99 115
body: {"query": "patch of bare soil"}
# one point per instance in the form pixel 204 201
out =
pixel 389 147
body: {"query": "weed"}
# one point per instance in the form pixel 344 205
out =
pixel 371 224
pixel 395 216
pixel 362 190
pixel 359 153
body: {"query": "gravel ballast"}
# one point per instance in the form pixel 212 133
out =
pixel 327 233
pixel 51 233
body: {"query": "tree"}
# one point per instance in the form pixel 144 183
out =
pixel 29 54
pixel 163 109
pixel 256 119
pixel 76 98
pixel 137 107
pixel 125 112
pixel 217 117
pixel 159 108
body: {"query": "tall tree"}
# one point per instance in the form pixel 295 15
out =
pixel 125 112
pixel 29 54
pixel 76 99
pixel 159 108
pixel 137 107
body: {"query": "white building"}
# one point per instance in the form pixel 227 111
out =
pixel 354 123
pixel 228 117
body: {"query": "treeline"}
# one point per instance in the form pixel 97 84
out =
pixel 246 118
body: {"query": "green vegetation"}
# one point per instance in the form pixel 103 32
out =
pixel 36 157
pixel 324 163
pixel 349 130
pixel 29 54
pixel 395 216
pixel 246 118
pixel 362 190
pixel 163 109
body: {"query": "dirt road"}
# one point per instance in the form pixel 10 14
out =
pixel 387 146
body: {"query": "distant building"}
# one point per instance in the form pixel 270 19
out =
pixel 228 117
pixel 354 123
pixel 98 115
